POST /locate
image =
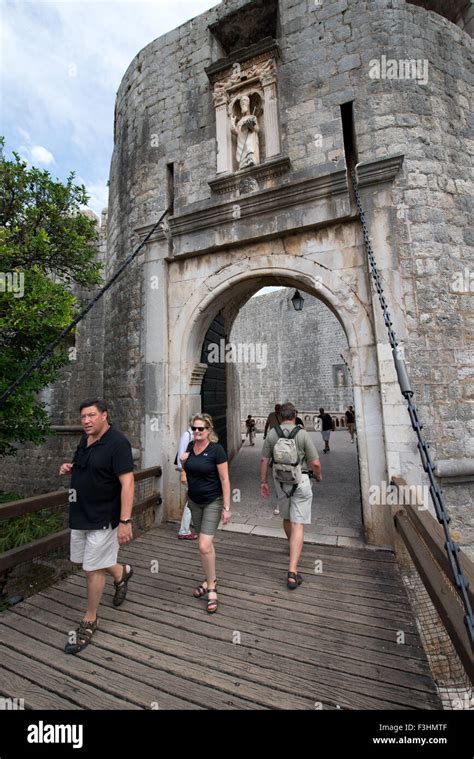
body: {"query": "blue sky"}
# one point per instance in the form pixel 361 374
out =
pixel 62 63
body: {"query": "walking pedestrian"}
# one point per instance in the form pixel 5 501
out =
pixel 206 472
pixel 327 427
pixel 350 421
pixel 185 530
pixel 250 425
pixel 296 496
pixel 100 514
pixel 273 419
pixel 299 421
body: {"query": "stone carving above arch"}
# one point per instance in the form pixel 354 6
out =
pixel 263 71
pixel 246 104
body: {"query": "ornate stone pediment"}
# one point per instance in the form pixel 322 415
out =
pixel 261 72
pixel 245 99
pixel 251 179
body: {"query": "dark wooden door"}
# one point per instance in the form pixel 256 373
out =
pixel 214 388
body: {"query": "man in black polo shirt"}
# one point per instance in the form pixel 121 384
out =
pixel 102 489
pixel 326 428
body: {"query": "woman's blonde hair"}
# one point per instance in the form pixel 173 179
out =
pixel 207 419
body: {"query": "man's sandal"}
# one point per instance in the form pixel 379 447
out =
pixel 201 591
pixel 121 587
pixel 211 602
pixel 83 636
pixel 294 579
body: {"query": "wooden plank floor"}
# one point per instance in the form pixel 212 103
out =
pixel 332 643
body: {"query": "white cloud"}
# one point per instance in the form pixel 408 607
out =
pixel 26 135
pixel 34 154
pixel 98 194
pixel 41 155
pixel 65 60
pixel 62 63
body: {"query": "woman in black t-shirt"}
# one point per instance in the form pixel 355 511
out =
pixel 206 473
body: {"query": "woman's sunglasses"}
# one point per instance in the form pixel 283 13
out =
pixel 199 429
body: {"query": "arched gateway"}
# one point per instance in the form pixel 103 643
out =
pixel 247 140
pixel 210 285
pixel 243 123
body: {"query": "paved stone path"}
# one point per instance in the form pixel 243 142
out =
pixel 336 513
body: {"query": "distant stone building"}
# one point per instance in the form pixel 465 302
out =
pixel 302 355
pixel 243 122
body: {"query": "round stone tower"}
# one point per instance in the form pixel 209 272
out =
pixel 310 87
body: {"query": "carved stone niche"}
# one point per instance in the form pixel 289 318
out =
pixel 340 375
pixel 247 129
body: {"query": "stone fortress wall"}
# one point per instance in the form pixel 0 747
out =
pixel 165 114
pixel 302 352
pixel 165 126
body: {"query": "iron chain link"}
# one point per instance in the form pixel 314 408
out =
pixel 452 548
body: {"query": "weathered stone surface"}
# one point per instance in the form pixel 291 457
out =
pixel 418 221
pixel 302 352
pixel 418 229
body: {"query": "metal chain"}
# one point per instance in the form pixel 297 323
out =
pixel 42 358
pixel 452 548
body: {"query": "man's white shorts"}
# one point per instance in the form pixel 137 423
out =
pixel 94 549
pixel 296 509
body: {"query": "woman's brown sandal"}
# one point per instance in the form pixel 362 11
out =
pixel 201 591
pixel 211 602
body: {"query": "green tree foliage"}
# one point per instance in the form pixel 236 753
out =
pixel 47 246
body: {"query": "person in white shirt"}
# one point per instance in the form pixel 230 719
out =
pixel 185 530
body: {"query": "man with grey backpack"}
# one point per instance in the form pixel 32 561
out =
pixel 294 457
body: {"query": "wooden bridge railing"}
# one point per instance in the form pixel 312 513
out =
pixel 424 538
pixel 39 547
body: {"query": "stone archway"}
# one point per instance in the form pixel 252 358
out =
pixel 227 289
pixel 214 381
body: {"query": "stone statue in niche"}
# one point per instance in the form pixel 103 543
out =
pixel 340 378
pixel 246 108
pixel 246 129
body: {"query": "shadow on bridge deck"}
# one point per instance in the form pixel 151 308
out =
pixel 331 643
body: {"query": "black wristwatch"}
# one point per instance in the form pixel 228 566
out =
pixel 125 521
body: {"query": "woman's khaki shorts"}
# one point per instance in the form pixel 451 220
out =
pixel 206 516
